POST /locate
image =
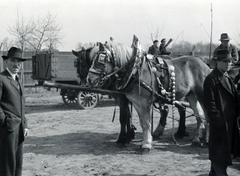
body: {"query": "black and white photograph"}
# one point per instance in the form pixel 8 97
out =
pixel 119 88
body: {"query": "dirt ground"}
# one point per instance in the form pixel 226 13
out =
pixel 66 141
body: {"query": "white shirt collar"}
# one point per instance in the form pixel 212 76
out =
pixel 12 75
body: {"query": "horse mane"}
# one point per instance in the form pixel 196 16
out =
pixel 122 53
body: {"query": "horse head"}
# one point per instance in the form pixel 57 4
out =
pixel 102 66
pixel 84 61
pixel 111 61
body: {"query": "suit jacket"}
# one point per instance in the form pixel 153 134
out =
pixel 163 50
pixel 153 50
pixel 222 105
pixel 12 103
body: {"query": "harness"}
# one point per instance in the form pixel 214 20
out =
pixel 112 59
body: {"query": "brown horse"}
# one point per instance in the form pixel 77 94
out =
pixel 190 74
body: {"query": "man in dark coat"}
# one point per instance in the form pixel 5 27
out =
pixel 163 47
pixel 13 125
pixel 225 45
pixel 221 103
pixel 154 50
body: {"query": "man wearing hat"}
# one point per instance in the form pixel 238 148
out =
pixel 222 107
pixel 163 47
pixel 13 124
pixel 154 48
pixel 224 38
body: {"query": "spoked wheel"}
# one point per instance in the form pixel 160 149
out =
pixel 87 100
pixel 69 97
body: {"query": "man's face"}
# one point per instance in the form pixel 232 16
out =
pixel 224 66
pixel 13 64
pixel 156 44
pixel 225 42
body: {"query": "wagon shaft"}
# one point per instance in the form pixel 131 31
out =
pixel 80 88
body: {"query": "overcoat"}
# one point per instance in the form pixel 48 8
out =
pixel 12 125
pixel 154 50
pixel 222 107
pixel 231 48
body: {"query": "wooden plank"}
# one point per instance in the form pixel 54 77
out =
pixel 63 67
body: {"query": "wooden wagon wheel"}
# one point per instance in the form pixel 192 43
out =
pixel 69 96
pixel 87 100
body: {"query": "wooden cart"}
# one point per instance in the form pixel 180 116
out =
pixel 58 68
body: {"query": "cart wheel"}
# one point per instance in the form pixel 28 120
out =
pixel 69 97
pixel 87 100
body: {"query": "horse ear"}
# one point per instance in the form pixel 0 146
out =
pixel 135 41
pixel 75 53
pixel 101 47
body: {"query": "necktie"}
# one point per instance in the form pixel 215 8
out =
pixel 18 83
pixel 227 81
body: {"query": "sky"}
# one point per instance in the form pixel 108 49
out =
pixel 96 20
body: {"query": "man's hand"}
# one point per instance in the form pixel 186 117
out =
pixel 26 131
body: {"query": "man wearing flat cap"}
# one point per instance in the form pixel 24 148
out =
pixel 222 107
pixel 226 45
pixel 154 48
pixel 13 124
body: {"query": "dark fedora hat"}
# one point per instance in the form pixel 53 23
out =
pixel 224 36
pixel 155 41
pixel 223 55
pixel 15 53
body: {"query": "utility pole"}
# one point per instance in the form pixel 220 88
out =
pixel 1 61
pixel 210 48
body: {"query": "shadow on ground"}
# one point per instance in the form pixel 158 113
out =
pixel 182 146
pixel 101 144
pixel 77 143
pixel 51 107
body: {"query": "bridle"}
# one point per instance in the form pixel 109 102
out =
pixel 102 58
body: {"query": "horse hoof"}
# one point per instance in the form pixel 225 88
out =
pixel 131 135
pixel 144 151
pixel 121 142
pixel 197 143
pixel 120 145
pixel 158 132
pixel 180 135
pixel 155 137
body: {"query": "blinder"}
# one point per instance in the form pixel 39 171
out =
pixel 98 68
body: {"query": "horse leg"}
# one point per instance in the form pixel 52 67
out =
pixel 181 132
pixel 199 114
pixel 162 122
pixel 143 111
pixel 128 116
pixel 127 132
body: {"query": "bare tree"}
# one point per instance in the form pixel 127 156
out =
pixel 46 34
pixel 22 31
pixel 5 44
pixel 35 35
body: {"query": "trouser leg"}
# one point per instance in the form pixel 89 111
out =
pixel 218 170
pixel 9 153
pixel 19 159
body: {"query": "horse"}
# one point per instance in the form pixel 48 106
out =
pixel 84 61
pixel 85 57
pixel 190 75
